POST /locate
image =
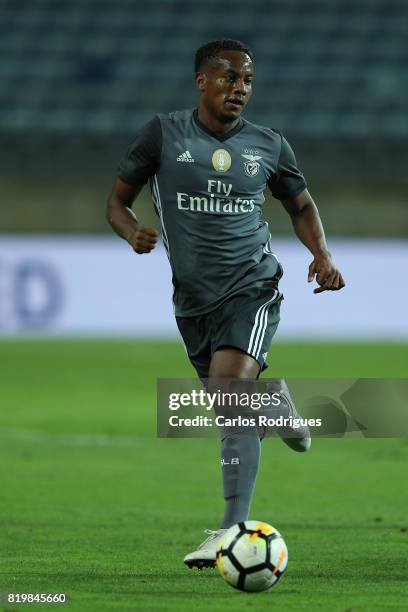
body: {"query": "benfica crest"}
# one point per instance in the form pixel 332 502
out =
pixel 252 164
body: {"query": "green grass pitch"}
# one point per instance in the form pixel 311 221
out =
pixel 94 505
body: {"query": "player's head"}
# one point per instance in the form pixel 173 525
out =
pixel 224 74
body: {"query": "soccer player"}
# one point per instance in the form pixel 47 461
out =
pixel 208 169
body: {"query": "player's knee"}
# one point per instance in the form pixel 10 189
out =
pixel 230 362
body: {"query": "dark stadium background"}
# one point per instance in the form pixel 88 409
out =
pixel 82 512
pixel 78 78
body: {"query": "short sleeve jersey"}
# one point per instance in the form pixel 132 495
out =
pixel 208 191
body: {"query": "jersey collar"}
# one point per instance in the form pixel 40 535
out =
pixel 223 137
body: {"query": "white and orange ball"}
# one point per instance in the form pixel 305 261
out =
pixel 252 556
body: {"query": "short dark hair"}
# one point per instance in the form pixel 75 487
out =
pixel 212 48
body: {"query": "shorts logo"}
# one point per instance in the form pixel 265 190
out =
pixel 221 160
pixel 252 164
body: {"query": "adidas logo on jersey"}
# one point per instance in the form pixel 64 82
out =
pixel 185 157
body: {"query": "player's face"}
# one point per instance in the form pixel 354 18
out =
pixel 226 84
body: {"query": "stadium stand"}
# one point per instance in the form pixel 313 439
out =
pixel 80 76
pixel 327 68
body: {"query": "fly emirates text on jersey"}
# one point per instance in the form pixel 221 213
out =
pixel 217 200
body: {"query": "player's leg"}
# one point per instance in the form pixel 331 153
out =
pixel 246 323
pixel 297 438
pixel 232 362
pixel 249 322
pixel 197 343
pixel 240 445
pixel 240 452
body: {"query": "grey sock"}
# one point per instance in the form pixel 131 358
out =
pixel 240 461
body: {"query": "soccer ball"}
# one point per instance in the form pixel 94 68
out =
pixel 252 556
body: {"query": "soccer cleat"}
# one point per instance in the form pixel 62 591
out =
pixel 206 553
pixel 297 438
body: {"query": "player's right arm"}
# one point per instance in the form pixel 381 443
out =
pixel 140 162
pixel 124 222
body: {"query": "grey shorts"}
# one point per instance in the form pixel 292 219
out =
pixel 247 321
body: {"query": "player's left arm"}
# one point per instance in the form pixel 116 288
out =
pixel 309 229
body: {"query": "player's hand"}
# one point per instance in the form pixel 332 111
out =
pixel 143 239
pixel 327 275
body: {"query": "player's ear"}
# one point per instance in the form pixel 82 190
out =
pixel 201 81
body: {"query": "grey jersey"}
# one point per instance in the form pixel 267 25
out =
pixel 208 191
